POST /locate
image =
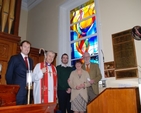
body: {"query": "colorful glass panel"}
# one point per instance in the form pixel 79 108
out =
pixel 83 11
pixel 94 59
pixel 83 29
pixel 87 45
pixel 83 25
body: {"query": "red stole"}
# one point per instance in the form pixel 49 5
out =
pixel 44 84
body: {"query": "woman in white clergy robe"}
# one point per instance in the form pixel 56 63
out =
pixel 79 81
pixel 44 79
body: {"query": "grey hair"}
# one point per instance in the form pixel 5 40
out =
pixel 50 51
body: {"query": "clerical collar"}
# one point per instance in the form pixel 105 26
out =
pixel 48 64
pixel 64 65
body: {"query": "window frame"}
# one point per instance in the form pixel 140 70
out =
pixel 64 31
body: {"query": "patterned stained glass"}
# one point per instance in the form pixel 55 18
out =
pixel 83 21
pixel 87 45
pixel 83 32
pixel 83 11
pixel 83 29
pixel 94 59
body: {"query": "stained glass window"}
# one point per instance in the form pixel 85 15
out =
pixel 83 32
pixel 88 44
pixel 83 11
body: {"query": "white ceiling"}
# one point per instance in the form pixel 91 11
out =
pixel 29 4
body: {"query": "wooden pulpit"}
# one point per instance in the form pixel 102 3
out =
pixel 8 94
pixel 116 100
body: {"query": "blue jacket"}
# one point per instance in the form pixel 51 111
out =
pixel 16 73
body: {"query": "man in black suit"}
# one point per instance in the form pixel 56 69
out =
pixel 16 71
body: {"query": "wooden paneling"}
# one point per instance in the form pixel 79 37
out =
pixel 8 102
pixel 32 108
pixel 124 50
pixel 8 94
pixel 8 47
pixel 124 55
pixel 116 100
pixel 126 73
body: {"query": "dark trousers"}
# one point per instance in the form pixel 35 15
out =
pixel 91 94
pixel 21 100
pixel 64 101
pixel 21 97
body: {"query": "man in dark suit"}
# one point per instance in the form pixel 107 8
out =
pixel 16 71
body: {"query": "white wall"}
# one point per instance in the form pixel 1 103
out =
pixel 23 24
pixel 42 26
pixel 117 16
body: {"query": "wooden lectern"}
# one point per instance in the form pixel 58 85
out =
pixel 116 100
pixel 8 94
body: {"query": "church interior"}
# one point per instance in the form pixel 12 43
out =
pixel 45 24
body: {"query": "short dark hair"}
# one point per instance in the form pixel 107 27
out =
pixel 24 42
pixel 64 55
pixel 78 61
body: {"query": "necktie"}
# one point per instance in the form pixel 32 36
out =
pixel 87 68
pixel 26 62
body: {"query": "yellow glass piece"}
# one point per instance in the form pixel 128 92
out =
pixel 82 12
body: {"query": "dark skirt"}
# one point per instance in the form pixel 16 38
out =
pixel 78 104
